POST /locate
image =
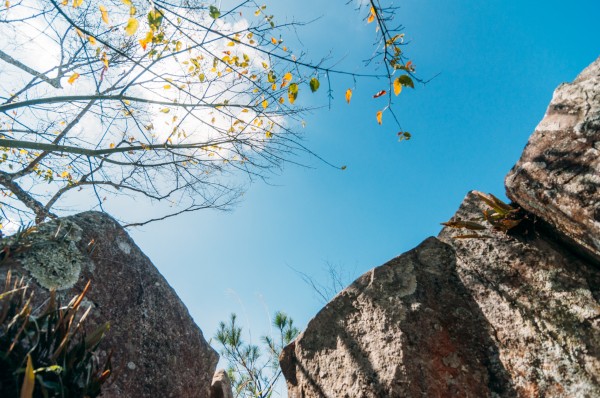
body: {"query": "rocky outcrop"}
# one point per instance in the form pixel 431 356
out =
pixel 158 351
pixel 221 385
pixel 542 304
pixel 405 329
pixel 558 175
pixel 503 315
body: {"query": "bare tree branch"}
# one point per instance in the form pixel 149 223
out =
pixel 54 82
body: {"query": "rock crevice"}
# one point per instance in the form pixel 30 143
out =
pixel 509 315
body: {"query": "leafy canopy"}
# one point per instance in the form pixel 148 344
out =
pixel 163 101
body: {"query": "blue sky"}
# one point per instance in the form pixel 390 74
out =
pixel 499 62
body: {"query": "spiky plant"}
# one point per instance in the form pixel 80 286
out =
pixel 45 351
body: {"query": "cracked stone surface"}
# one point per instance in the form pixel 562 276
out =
pixel 405 329
pixel 558 175
pixel 542 302
pixel 158 351
pixel 510 315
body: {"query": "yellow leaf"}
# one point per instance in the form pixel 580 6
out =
pixel 371 17
pixel 264 104
pixel 397 86
pixel 165 110
pixel 230 44
pixel 79 33
pixel 144 42
pixel 104 13
pixel 73 77
pixel 77 3
pixel 64 2
pixel 64 174
pixel 269 134
pixel 274 40
pixel 265 65
pixel 167 86
pixel 92 40
pixel 379 115
pixel 132 26
pixel 128 2
pixel 287 78
pixel 7 4
pixel 28 380
pixel 112 145
pixel 348 95
pixel 281 100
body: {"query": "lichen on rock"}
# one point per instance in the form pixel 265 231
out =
pixel 53 259
pixel 157 347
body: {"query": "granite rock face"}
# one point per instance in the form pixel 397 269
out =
pixel 558 175
pixel 408 328
pixel 221 385
pixel 542 302
pixel 158 351
pixel 512 314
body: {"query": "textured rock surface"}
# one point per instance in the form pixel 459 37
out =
pixel 158 351
pixel 507 316
pixel 542 303
pixel 558 175
pixel 405 329
pixel 221 385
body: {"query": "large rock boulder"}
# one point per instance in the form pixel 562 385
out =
pixel 158 351
pixel 542 302
pixel 499 315
pixel 408 328
pixel 558 175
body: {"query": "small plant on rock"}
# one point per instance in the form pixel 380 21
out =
pixel 499 216
pixel 45 352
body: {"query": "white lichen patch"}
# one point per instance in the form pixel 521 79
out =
pixel 54 259
pixel 124 246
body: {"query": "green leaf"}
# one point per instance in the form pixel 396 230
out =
pixel 93 339
pixel 314 84
pixel 404 135
pixel 405 80
pixel 293 92
pixel 53 368
pixel 155 18
pixel 214 12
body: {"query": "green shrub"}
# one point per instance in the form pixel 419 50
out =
pixel 254 372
